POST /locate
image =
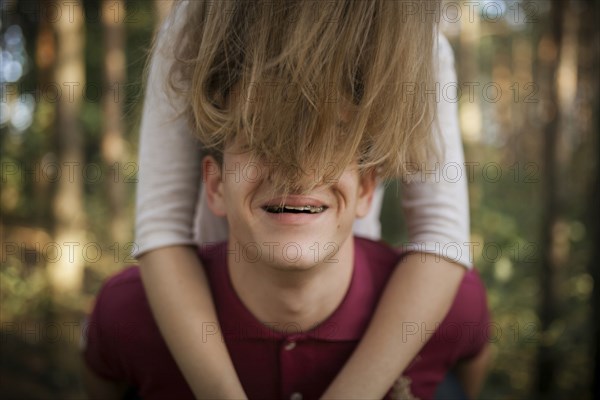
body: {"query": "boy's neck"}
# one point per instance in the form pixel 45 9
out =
pixel 288 300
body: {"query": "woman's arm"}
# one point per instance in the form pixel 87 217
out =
pixel 167 195
pixel 422 288
pixel 418 296
pixel 182 305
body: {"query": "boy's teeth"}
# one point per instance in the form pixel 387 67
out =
pixel 306 208
pixel 301 208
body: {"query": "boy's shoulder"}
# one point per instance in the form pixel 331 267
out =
pixel 122 299
pixel 125 283
pixel 378 256
pixel 376 250
pixel 128 276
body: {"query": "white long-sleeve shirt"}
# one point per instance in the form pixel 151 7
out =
pixel 170 206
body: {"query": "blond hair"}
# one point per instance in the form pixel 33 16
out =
pixel 308 85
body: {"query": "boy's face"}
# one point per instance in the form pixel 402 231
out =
pixel 294 237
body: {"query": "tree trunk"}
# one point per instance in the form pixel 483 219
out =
pixel 549 51
pixel 66 274
pixel 113 145
pixel 593 264
pixel 45 58
pixel 589 40
pixel 468 76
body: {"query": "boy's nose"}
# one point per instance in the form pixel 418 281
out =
pixel 291 179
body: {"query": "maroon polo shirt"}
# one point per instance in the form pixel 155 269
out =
pixel 275 361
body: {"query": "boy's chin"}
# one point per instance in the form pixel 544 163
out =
pixel 291 253
pixel 305 264
pixel 300 267
pixel 305 255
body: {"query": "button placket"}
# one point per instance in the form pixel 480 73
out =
pixel 289 359
pixel 290 345
pixel 296 396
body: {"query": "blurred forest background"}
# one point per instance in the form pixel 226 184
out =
pixel 71 76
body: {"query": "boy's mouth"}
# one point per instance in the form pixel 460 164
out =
pixel 306 209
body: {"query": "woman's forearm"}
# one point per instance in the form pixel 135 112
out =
pixel 181 301
pixel 418 296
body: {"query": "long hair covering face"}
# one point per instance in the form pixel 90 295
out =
pixel 308 86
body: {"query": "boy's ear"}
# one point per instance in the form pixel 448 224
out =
pixel 366 188
pixel 211 179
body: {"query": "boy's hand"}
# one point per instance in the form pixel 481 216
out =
pixel 101 389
